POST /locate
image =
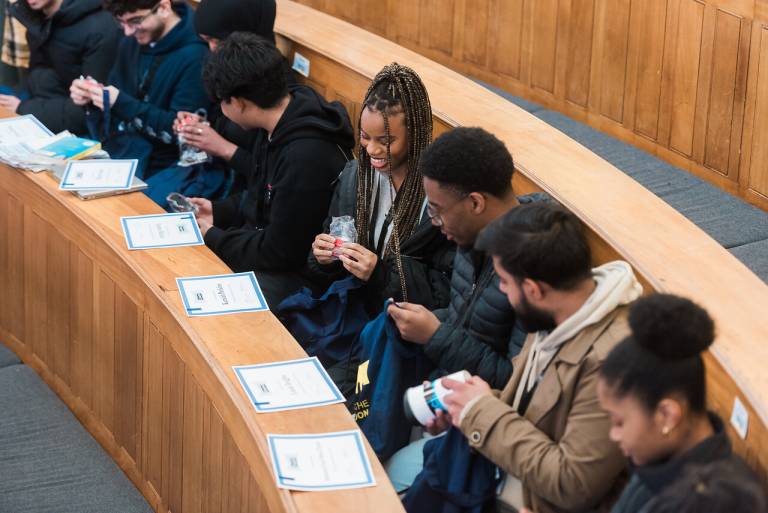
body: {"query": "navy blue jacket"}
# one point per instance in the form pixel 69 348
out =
pixel 143 127
pixel 79 39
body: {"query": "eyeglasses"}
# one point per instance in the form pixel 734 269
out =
pixel 136 21
pixel 437 217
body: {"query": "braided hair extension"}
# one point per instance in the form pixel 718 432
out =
pixel 396 89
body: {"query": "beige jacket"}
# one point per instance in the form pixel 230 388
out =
pixel 560 448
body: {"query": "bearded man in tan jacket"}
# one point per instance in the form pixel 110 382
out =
pixel 546 429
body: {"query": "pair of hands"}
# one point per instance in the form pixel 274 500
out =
pixel 9 102
pixel 359 261
pixel 199 134
pixel 85 91
pixel 455 401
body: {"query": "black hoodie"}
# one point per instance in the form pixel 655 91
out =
pixel 79 39
pixel 219 18
pixel 271 225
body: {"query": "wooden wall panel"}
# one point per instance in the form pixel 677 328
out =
pixel 669 76
pixel 647 52
pixel 16 281
pixel 579 48
pixel 35 283
pixel 474 46
pixel 544 45
pixel 436 13
pixel 104 354
pixel 507 37
pixel 82 323
pixel 58 303
pixel 614 38
pixel 757 179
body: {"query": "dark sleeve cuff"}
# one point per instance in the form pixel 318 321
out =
pixel 213 237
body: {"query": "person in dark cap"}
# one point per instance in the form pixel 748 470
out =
pixel 217 19
pixel 224 140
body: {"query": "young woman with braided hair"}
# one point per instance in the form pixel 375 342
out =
pixel 398 253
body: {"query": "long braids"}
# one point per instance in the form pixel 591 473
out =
pixel 393 89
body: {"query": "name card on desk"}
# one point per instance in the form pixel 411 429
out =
pixel 22 128
pixel 329 461
pixel 98 174
pixel 161 231
pixel 221 294
pixel 288 385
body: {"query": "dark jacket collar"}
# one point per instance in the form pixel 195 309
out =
pixel 716 447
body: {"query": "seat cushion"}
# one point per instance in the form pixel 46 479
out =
pixel 48 461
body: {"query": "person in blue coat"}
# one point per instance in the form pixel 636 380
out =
pixel 157 73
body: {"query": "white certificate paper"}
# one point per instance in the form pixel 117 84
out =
pixel 222 294
pixel 98 174
pixel 21 129
pixel 288 385
pixel 83 175
pixel 161 231
pixel 330 461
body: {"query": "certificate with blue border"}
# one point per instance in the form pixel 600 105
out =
pixel 221 294
pixel 22 129
pixel 329 461
pixel 123 171
pixel 161 231
pixel 288 385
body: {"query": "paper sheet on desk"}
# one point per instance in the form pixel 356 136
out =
pixel 320 462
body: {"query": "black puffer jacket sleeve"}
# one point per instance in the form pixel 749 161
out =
pixel 475 330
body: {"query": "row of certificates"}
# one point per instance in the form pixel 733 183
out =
pixel 328 461
pixel 325 461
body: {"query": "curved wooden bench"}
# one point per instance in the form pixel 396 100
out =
pixel 682 79
pixel 105 328
pixel 625 220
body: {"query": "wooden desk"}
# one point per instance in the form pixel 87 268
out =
pixel 105 328
pixel 626 221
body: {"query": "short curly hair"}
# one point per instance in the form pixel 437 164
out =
pixel 469 160
pixel 120 7
pixel 247 66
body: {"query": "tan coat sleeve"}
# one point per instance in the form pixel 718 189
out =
pixel 574 473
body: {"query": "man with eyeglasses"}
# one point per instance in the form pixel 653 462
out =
pixel 66 38
pixel 468 181
pixel 156 73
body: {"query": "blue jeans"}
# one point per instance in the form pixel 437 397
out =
pixel 403 467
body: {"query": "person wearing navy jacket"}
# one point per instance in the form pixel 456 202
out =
pixel 67 38
pixel 157 72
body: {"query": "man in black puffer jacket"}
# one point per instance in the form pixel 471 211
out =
pixel 468 180
pixel 67 39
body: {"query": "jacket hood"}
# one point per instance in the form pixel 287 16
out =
pixel 309 116
pixel 39 27
pixel 183 34
pixel 219 18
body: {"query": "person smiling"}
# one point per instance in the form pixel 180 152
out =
pixel 398 253
pixel 156 73
pixel 67 38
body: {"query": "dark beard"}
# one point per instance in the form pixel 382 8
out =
pixel 532 319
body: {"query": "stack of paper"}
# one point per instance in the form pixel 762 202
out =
pixel 25 143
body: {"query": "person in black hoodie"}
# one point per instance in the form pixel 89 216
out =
pixel 653 386
pixel 156 73
pixel 218 136
pixel 301 144
pixel 67 39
